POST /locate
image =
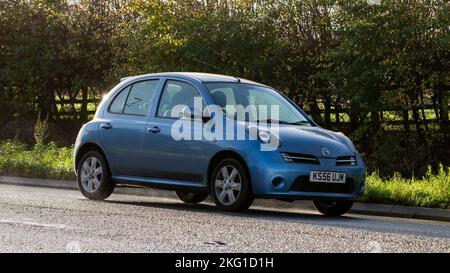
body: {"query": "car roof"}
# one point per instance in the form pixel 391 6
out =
pixel 202 77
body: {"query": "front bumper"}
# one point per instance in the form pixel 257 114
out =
pixel 273 177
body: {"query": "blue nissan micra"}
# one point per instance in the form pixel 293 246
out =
pixel 150 131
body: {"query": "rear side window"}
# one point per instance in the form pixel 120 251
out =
pixel 135 99
pixel 118 103
pixel 140 98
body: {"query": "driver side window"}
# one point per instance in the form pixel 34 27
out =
pixel 176 93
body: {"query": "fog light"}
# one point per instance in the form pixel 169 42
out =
pixel 278 183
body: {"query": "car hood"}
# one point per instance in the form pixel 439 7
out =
pixel 311 141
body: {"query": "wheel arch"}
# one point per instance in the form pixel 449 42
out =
pixel 87 147
pixel 222 155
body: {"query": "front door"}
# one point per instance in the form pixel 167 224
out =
pixel 165 157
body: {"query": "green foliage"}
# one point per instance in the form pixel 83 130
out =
pixel 52 49
pixel 433 190
pixel 42 161
pixel 41 130
pixel 390 152
pixel 393 56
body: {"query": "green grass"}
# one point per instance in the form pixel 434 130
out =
pixel 42 161
pixel 50 161
pixel 433 190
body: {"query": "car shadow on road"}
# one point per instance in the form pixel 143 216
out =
pixel 274 214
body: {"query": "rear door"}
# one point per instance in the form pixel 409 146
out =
pixel 124 126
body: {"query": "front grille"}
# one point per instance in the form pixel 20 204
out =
pixel 303 184
pixel 346 161
pixel 300 158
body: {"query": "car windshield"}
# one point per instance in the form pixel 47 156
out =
pixel 230 96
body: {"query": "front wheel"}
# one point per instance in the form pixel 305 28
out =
pixel 333 208
pixel 191 197
pixel 230 186
pixel 94 178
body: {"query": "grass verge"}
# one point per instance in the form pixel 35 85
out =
pixel 52 162
pixel 42 161
pixel 433 190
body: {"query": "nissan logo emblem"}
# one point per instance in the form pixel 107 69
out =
pixel 325 152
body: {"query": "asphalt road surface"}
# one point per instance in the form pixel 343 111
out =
pixel 53 220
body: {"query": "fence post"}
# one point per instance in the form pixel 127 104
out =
pixel 405 114
pixel 328 111
pixel 337 112
pixel 443 109
pixel 84 103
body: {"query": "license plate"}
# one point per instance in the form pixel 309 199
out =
pixel 327 177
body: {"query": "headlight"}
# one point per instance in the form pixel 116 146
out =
pixel 264 136
pixel 270 141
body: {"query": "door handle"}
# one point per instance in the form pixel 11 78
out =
pixel 154 130
pixel 106 126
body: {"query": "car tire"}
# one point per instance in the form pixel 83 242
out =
pixel 230 186
pixel 191 197
pixel 333 208
pixel 94 177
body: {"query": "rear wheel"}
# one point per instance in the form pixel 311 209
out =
pixel 230 186
pixel 333 208
pixel 191 197
pixel 94 178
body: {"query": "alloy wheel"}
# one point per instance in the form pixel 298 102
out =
pixel 91 174
pixel 228 184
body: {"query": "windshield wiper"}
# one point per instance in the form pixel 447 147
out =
pixel 300 122
pixel 272 121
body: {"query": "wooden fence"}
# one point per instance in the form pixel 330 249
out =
pixel 75 109
pixel 84 109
